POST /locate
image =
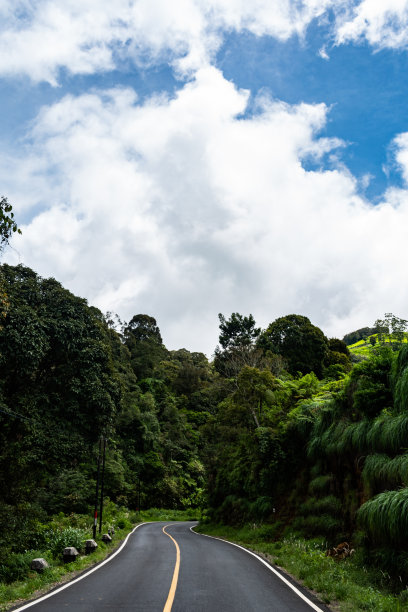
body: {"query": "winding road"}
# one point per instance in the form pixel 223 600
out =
pixel 169 568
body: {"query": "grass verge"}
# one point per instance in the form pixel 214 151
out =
pixel 346 585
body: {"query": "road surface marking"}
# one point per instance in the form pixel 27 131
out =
pixel 173 587
pixel 85 575
pixel 272 569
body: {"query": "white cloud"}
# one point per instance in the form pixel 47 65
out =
pixel 88 36
pixel 323 53
pixel 382 24
pixel 40 39
pixel 181 208
pixel 400 150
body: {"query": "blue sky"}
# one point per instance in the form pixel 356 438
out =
pixel 366 90
pixel 203 157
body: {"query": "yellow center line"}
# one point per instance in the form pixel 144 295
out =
pixel 173 586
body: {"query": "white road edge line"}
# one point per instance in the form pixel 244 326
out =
pixel 85 575
pixel 289 584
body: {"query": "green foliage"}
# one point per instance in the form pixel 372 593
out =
pixel 159 514
pixel 385 517
pixel 370 384
pixel 391 329
pixel 143 339
pixel 301 344
pixel 66 378
pixel 381 472
pixel 338 346
pixel 385 434
pixel 319 525
pixel 17 582
pixel 8 225
pixel 359 334
pixel 58 539
pixel 69 491
pixel 400 380
pixel 15 566
pixel 237 338
pixel 327 505
pixel 237 331
pixel 321 484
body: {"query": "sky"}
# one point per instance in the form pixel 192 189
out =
pixel 188 158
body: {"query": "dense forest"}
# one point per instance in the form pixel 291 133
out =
pixel 283 426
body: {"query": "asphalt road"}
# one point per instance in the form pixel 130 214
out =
pixel 204 575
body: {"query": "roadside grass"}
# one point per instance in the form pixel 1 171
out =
pixel 32 585
pixel 348 585
pixel 35 584
pixel 158 514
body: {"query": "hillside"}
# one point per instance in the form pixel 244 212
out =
pixel 365 347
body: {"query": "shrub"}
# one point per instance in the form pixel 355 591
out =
pixel 15 566
pixel 262 507
pixel 57 540
pixel 123 523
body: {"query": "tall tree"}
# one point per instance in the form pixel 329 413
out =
pixel 143 339
pixel 238 336
pixel 301 344
pixel 391 329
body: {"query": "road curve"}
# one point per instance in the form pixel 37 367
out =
pixel 204 575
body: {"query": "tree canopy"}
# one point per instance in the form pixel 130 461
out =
pixel 238 336
pixel 301 344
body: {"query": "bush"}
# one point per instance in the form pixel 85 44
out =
pixel 16 566
pixel 262 507
pixel 70 536
pixel 123 523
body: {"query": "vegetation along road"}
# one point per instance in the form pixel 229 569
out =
pixel 168 567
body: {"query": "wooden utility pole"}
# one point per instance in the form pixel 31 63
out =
pixel 102 483
pixel 97 489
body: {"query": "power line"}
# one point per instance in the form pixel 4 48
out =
pixel 16 415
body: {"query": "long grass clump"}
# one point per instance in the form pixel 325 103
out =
pixel 380 471
pixel 321 484
pixel 388 434
pixel 385 517
pixel 385 434
pixel 326 505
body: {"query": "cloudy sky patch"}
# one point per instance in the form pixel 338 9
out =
pixel 192 158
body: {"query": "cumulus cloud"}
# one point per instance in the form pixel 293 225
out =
pixel 85 37
pixel 382 24
pixel 182 208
